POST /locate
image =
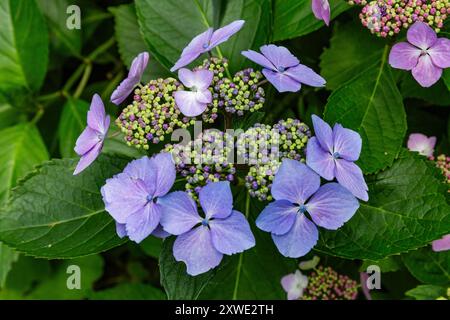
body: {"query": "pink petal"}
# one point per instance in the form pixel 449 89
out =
pixel 421 35
pixel 421 143
pixel 188 104
pixel 321 10
pixel 440 53
pixel 259 59
pixel 281 82
pixel 404 56
pixel 426 73
pixel 223 34
pixel 442 244
pixel 305 75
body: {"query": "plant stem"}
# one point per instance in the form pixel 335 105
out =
pixel 102 48
pixel 262 82
pixel 83 81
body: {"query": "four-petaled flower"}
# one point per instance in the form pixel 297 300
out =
pixel 321 10
pixel 331 153
pixel 194 102
pixel 297 191
pixel 422 144
pixel 205 42
pixel 202 241
pixel 442 244
pixel 134 77
pixel 294 284
pixel 132 197
pixel 424 54
pixel 283 69
pixel 90 143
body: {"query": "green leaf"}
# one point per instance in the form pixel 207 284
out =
pixel 446 77
pixel 256 31
pixel 23 45
pixel 55 287
pixel 22 148
pixel 152 246
pixel 168 26
pixel 253 274
pixel 371 105
pixel 131 42
pixel 437 94
pixel 428 266
pixel 72 123
pixel 294 18
pixel 352 49
pixel 54 214
pixel 426 292
pixel 8 115
pixel 407 209
pixel 7 258
pixel 66 41
pixel 115 145
pixel 129 291
pixel 388 264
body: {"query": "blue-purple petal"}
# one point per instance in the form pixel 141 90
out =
pixel 277 217
pixel 323 133
pixel 179 212
pixel 258 58
pixel 331 206
pixel 86 141
pixel 123 90
pixel 142 223
pixel 350 176
pixel 89 157
pixel 281 82
pixel 305 75
pixel 216 199
pixel 187 102
pixel 346 142
pixel 165 174
pixel 200 79
pixel 121 230
pixel 138 65
pixel 223 34
pixel 96 116
pixel 280 56
pixel 319 160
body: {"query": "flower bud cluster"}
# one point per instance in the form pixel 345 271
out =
pixel 443 163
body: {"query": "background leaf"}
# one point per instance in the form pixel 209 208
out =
pixel 427 292
pixel 72 123
pixel 7 257
pixel 129 291
pixel 23 54
pixel 54 214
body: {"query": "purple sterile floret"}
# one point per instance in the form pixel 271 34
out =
pixel 296 190
pixel 134 77
pixel 425 55
pixel 321 10
pixel 203 240
pixel 332 152
pixel 283 69
pixel 90 142
pixel 132 197
pixel 205 42
pixel 193 103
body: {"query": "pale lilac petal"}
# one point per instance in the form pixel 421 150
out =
pixel 319 160
pixel 350 176
pixel 421 35
pixel 288 281
pixel 277 217
pixel 442 244
pixel 188 104
pixel 194 49
pixel 363 278
pixel 295 182
pixel 160 233
pixel 96 115
pixel 86 141
pixel 223 34
pixel 232 234
pixel 196 250
pixel 323 133
pixel 299 240
pixel 165 173
pixel 440 53
pixel 122 197
pixel 294 284
pixel 346 142
pixel 258 58
pixel 200 79
pixel 280 56
pixel 204 96
pixel 216 199
pixel 321 10
pixel 123 90
pixel 404 56
pixel 305 75
pixel 425 72
pixel 179 212
pixel 121 230
pixel 142 168
pixel 421 143
pixel 281 82
pixel 138 65
pixel 332 206
pixel 88 158
pixel 142 223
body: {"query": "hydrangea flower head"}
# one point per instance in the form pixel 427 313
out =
pixel 332 152
pixel 90 143
pixel 321 10
pixel 425 55
pixel 442 244
pixel 134 77
pixel 132 197
pixel 294 284
pixel 203 240
pixel 422 144
pixel 193 103
pixel 296 190
pixel 205 42
pixel 283 69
